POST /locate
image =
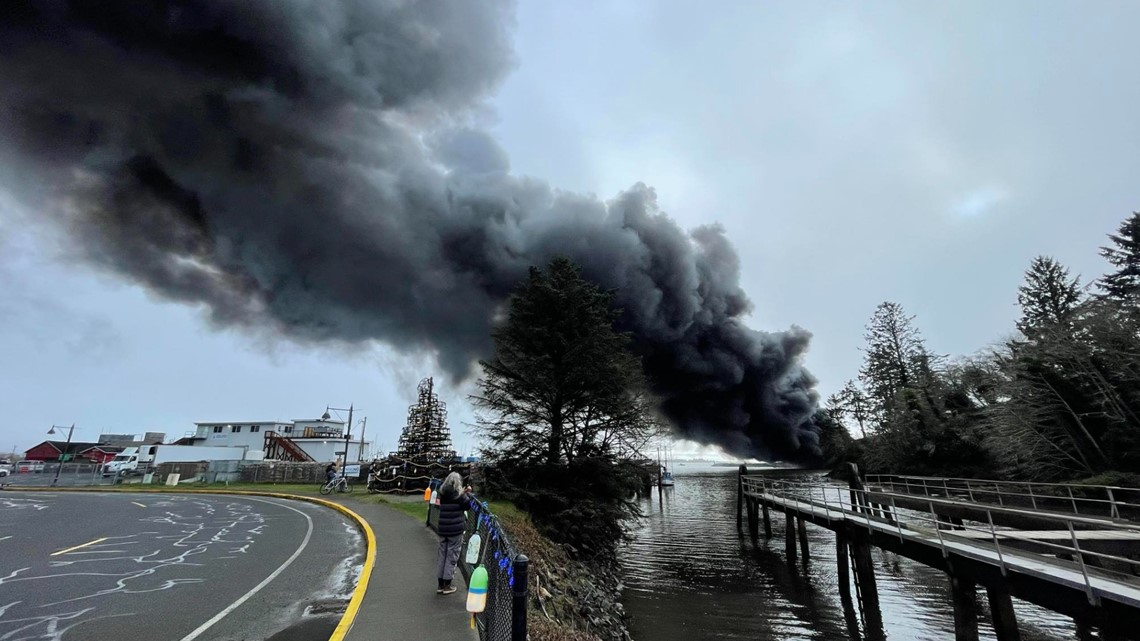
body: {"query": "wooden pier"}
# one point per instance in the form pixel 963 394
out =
pixel 1080 562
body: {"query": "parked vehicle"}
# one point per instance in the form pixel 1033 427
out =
pixel 29 466
pixel 144 459
pixel 125 462
pixel 5 469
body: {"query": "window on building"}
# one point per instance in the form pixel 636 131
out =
pixel 255 428
pixel 288 429
pixel 217 429
pixel 235 429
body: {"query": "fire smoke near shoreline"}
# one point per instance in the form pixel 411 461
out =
pixel 309 167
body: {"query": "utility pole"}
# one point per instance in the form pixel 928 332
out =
pixel 347 436
pixel 363 427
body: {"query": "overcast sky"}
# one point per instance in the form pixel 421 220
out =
pixel 855 153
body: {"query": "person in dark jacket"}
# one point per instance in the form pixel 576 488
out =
pixel 453 502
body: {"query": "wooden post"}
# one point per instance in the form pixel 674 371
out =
pixel 740 498
pixel 1001 608
pixel 964 595
pixel 865 581
pixel 803 539
pixel 855 483
pixel 767 522
pixel 842 564
pixel 789 536
pixel 753 518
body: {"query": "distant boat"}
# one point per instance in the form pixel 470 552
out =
pixel 666 479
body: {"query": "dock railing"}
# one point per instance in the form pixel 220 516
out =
pixel 1106 501
pixel 876 510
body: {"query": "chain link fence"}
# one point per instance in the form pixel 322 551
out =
pixel 504 618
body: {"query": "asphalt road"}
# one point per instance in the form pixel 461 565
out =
pixel 93 566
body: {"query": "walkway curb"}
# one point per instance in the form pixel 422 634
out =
pixel 350 612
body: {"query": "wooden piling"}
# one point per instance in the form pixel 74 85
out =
pixel 789 537
pixel 753 518
pixel 1001 608
pixel 740 498
pixel 767 523
pixel 842 564
pixel 803 540
pixel 865 581
pixel 964 595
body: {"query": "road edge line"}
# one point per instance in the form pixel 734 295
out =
pixel 344 626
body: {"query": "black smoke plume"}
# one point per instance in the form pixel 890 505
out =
pixel 309 166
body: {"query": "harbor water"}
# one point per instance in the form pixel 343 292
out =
pixel 690 576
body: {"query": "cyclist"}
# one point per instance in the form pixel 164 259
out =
pixel 330 472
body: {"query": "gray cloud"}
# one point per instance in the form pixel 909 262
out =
pixel 310 167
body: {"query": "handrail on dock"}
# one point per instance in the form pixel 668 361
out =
pixel 865 507
pixel 999 534
pixel 1112 503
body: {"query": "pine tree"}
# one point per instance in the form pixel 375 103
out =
pixel 563 382
pixel 564 410
pixel 853 401
pixel 1049 299
pixel 1123 284
pixel 895 358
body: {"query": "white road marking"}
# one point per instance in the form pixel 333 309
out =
pixel 5 538
pixel 138 504
pixel 66 550
pixel 257 588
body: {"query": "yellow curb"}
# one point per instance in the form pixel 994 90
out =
pixel 349 616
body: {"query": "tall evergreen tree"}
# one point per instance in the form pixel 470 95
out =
pixel 853 401
pixel 895 357
pixel 563 382
pixel 564 409
pixel 1123 284
pixel 1049 299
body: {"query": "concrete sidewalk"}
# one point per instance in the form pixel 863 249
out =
pixel 401 602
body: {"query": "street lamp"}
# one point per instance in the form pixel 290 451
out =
pixel 347 429
pixel 63 454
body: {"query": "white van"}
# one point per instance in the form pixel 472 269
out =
pixel 29 466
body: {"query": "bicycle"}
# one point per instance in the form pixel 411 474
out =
pixel 338 484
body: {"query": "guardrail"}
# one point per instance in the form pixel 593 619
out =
pixel 1089 500
pixel 867 507
pixel 505 615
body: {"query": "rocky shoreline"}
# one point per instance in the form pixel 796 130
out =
pixel 570 599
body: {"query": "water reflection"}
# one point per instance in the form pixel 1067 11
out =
pixel 690 576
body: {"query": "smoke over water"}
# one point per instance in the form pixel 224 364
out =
pixel 309 167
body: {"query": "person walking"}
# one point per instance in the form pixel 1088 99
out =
pixel 454 500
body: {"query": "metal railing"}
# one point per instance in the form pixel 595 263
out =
pixel 1103 501
pixel 505 615
pixel 867 508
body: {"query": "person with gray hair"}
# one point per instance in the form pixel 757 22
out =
pixel 453 502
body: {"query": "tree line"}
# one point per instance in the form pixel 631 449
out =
pixel 1060 400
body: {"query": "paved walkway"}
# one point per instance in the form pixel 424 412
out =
pixel 401 602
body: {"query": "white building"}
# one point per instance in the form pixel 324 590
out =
pixel 321 439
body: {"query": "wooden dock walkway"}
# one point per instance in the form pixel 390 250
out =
pixel 1080 564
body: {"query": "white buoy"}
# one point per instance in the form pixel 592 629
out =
pixel 473 548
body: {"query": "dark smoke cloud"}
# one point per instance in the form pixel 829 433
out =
pixel 309 166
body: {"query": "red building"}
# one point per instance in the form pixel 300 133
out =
pixel 51 450
pixel 100 453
